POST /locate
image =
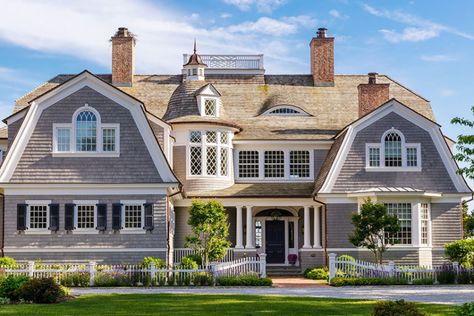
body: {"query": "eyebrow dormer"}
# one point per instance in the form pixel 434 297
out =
pixel 286 110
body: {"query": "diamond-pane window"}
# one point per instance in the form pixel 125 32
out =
pixel 274 164
pixel 393 150
pixel 211 137
pixel 195 160
pixel 224 138
pixel 85 216
pixel 248 164
pixel 403 212
pixel 224 161
pixel 211 160
pixel 299 164
pixel 38 216
pixel 209 153
pixel 195 137
pixel 210 107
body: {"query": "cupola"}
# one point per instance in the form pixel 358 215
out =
pixel 194 68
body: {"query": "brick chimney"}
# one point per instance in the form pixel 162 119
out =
pixel 372 94
pixel 322 59
pixel 123 47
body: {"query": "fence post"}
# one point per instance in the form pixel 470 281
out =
pixel 391 268
pixel 263 265
pixel 332 266
pixel 91 273
pixel 213 268
pixel 456 269
pixel 31 268
pixel 152 272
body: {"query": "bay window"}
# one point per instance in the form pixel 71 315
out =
pixel 209 153
pixel 404 213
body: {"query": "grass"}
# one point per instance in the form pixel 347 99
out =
pixel 174 304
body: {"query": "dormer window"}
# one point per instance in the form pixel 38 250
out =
pixel 285 110
pixel 393 154
pixel 86 135
pixel 210 107
pixel 208 101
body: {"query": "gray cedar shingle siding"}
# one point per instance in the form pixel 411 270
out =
pixel 134 165
pixel 339 224
pixel 159 133
pixel 446 223
pixel 109 239
pixel 433 176
pixel 12 130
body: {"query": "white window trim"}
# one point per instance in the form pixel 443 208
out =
pixel 415 229
pixel 202 104
pixel 381 146
pixel 140 230
pixel 37 231
pixel 203 144
pixel 421 244
pixel 261 165
pixel 78 230
pixel 72 135
pixel 300 111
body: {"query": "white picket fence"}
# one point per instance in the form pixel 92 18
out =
pixel 92 274
pixel 350 268
pixel 179 253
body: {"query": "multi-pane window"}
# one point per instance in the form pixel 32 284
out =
pixel 210 107
pixel 403 212
pixel 258 234
pixel 393 150
pixel 248 164
pixel 274 164
pixel 133 216
pixel 412 157
pixel 38 216
pixel 209 153
pixel 424 223
pixel 86 131
pixel 63 139
pixel 85 216
pixel 285 111
pixel 108 139
pixel 374 157
pixel 299 164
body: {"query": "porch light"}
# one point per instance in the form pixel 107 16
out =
pixel 276 215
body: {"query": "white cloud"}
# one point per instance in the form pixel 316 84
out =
pixel 335 13
pixel 437 58
pixel 447 92
pixel 265 6
pixel 82 29
pixel 418 29
pixel 225 15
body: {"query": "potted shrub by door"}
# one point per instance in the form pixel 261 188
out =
pixel 292 259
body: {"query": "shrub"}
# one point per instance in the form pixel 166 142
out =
pixel 346 258
pixel 245 280
pixel 8 262
pixel 196 258
pixel 423 281
pixel 10 284
pixel 159 263
pixel 465 276
pixel 338 281
pixel 393 308
pixel 112 279
pixel 446 275
pixel 188 263
pixel 203 279
pixel 78 279
pixel 321 273
pixel 466 309
pixel 42 291
pixel 461 251
pixel 4 301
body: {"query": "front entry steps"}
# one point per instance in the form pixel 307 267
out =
pixel 287 271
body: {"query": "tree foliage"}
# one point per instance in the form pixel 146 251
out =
pixel 468 221
pixel 374 228
pixel 208 221
pixel 465 147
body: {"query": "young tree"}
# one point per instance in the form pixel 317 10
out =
pixel 465 147
pixel 468 221
pixel 374 228
pixel 208 221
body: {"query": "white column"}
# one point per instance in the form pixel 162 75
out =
pixel 239 228
pixel 415 224
pixel 249 239
pixel 317 227
pixel 307 228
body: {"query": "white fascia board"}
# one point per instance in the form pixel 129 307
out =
pixel 323 144
pixel 17 116
pixel 413 117
pixel 85 79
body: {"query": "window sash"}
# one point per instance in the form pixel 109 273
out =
pixel 299 164
pixel 63 139
pixel 85 216
pixel 209 153
pixel 425 223
pixel 249 164
pixel 109 139
pixel 274 164
pixel 38 217
pixel 404 213
pixel 210 107
pixel 133 216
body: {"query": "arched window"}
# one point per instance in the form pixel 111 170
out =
pixel 393 150
pixel 393 153
pixel 86 131
pixel 285 110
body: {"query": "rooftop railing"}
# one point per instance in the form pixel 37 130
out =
pixel 254 62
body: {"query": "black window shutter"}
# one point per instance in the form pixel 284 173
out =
pixel 148 216
pixel 116 216
pixel 21 216
pixel 53 217
pixel 101 216
pixel 69 216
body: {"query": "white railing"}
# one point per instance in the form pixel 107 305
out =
pixel 243 266
pixel 179 253
pixel 350 268
pixel 230 61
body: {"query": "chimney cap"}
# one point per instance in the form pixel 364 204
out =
pixel 372 77
pixel 123 32
pixel 321 32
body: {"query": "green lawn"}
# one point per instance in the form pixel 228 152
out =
pixel 172 304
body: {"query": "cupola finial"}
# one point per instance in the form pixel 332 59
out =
pixel 194 45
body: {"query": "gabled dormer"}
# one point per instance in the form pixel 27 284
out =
pixel 209 101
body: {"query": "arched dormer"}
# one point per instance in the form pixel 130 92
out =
pixel 285 110
pixel 86 135
pixel 393 153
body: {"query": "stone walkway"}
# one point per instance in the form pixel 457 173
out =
pixel 429 294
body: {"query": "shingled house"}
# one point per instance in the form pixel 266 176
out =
pixel 104 167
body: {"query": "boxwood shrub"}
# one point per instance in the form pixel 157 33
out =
pixel 390 308
pixel 41 291
pixel 245 280
pixel 10 284
pixel 338 281
pixel 318 273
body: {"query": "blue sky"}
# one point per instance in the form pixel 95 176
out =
pixel 426 45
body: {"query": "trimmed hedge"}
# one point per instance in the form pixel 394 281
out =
pixel 246 280
pixel 338 281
